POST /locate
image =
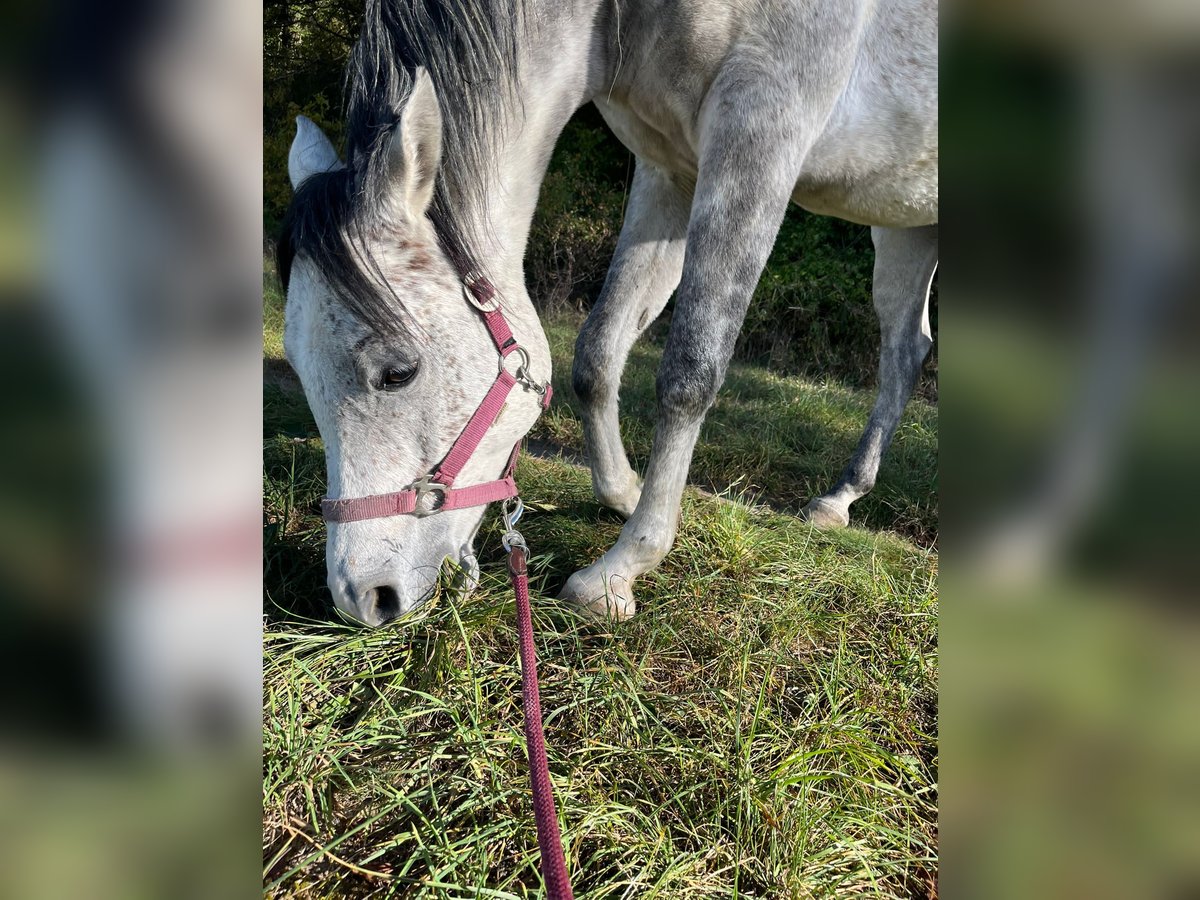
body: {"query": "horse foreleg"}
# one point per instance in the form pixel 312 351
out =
pixel 905 260
pixel 733 223
pixel 644 271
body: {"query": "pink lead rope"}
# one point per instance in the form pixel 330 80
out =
pixel 434 493
pixel 545 815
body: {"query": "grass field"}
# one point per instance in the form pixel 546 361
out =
pixel 764 727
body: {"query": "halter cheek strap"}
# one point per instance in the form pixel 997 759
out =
pixel 435 492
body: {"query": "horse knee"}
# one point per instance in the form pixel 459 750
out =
pixel 589 375
pixel 688 387
pixel 922 344
pixel 911 356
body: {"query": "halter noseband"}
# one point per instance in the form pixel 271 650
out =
pixel 434 492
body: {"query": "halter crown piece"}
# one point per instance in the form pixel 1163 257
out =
pixel 435 491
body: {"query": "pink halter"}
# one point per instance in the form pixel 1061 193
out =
pixel 437 486
pixel 434 492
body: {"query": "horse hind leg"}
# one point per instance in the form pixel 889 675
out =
pixel 905 260
pixel 644 271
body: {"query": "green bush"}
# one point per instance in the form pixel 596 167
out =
pixel 811 313
pixel 579 214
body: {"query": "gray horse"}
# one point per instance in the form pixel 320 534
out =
pixel 732 108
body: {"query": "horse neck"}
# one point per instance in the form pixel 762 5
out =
pixel 559 69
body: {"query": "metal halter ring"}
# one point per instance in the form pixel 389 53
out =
pixel 521 375
pixel 522 372
pixel 470 280
pixel 423 487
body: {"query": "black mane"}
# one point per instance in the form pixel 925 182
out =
pixel 469 49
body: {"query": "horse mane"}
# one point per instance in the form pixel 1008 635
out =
pixel 470 50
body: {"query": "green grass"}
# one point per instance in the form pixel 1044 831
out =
pixel 764 727
pixel 778 439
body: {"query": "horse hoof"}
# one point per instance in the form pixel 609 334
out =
pixel 824 514
pixel 588 590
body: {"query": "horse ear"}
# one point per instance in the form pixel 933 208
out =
pixel 416 146
pixel 311 153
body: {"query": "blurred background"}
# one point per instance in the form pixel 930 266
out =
pixel 133 241
pixel 1067 457
pixel 130 473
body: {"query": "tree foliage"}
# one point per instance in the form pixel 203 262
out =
pixel 305 45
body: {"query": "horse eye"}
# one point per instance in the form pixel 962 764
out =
pixel 396 377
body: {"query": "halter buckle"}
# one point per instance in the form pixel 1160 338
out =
pixel 423 487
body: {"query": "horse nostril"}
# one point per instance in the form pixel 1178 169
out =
pixel 383 601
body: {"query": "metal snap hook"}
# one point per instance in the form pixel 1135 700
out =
pixel 510 514
pixel 521 374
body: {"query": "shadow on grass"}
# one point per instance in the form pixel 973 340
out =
pixel 775 440
pixel 293 577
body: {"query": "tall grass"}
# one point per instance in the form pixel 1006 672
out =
pixel 763 727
